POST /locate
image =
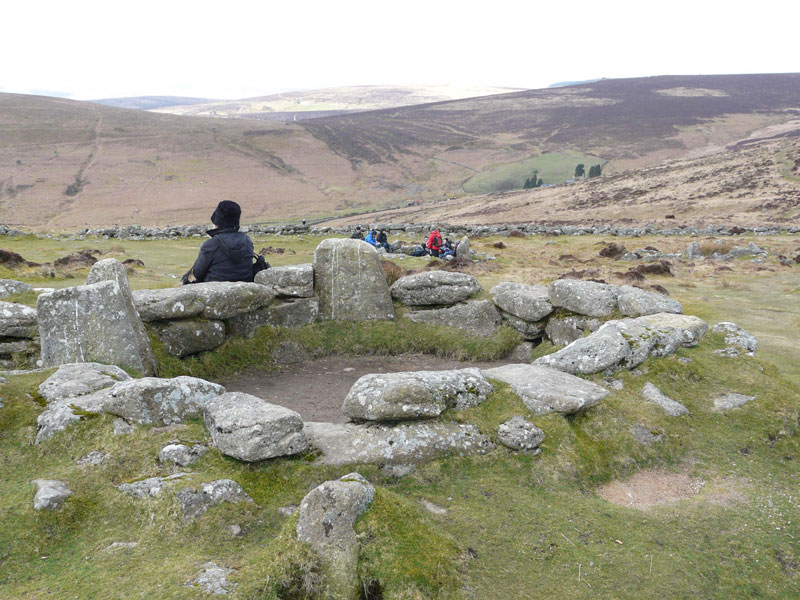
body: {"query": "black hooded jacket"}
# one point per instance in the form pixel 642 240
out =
pixel 227 256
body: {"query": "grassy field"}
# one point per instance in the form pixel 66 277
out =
pixel 517 526
pixel 553 168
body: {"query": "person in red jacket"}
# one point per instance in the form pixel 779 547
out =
pixel 434 243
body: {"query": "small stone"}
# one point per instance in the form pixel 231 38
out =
pixel 644 436
pixel 181 454
pixel 729 351
pixel 685 360
pixel 397 471
pixel 673 408
pixel 195 503
pixel 234 530
pixel 50 494
pixel 122 427
pixel 519 434
pixel 522 353
pixel 614 384
pixel 248 428
pixel 288 511
pixel 213 579
pixel 731 401
pixel 736 336
pixel 434 508
pixel 120 546
pixel 94 458
pixel 150 487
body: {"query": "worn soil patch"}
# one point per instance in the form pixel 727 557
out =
pixel 649 488
pixel 316 389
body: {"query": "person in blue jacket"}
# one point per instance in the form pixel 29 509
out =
pixel 370 239
pixel 228 255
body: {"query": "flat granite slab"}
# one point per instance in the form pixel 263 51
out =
pixel 407 443
pixel 545 390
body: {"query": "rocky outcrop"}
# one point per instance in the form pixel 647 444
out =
pixel 327 517
pixel 90 323
pixel 293 281
pixel 476 317
pixel 527 302
pixel 9 287
pixel 414 394
pixel 18 321
pixel 435 288
pixel 627 343
pixel 79 379
pixel 406 443
pixel 604 349
pixel 211 300
pixel 184 337
pixel 584 297
pixel 544 390
pixel 349 282
pixel 110 269
pixel 250 429
pixel 154 401
pixel 563 330
pixel 635 302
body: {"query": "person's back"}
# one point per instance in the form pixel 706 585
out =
pixel 434 243
pixel 228 255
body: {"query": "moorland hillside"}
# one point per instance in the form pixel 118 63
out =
pixel 309 104
pixel 68 164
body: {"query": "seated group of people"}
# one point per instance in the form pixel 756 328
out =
pixel 441 248
pixel 374 237
pixel 228 255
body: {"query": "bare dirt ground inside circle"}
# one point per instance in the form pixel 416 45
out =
pixel 316 389
pixel 650 488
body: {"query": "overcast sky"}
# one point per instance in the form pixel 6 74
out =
pixel 237 49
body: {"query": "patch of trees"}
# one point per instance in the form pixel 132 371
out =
pixel 534 181
pixel 594 170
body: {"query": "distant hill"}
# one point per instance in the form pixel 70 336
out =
pixel 66 164
pixel 151 102
pixel 566 83
pixel 300 105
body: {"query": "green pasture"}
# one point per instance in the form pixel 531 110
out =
pixel 553 168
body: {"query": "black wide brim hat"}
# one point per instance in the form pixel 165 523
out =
pixel 227 214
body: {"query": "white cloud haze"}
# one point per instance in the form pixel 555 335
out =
pixel 239 49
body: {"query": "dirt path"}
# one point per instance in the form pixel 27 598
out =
pixel 316 389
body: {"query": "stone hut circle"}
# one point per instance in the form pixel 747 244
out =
pixel 396 420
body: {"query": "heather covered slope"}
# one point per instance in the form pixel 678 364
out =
pixel 67 164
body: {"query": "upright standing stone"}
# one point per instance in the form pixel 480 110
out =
pixel 462 250
pixel 89 323
pixel 110 269
pixel 349 282
pixel 327 519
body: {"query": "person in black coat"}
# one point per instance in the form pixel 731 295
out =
pixel 228 255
